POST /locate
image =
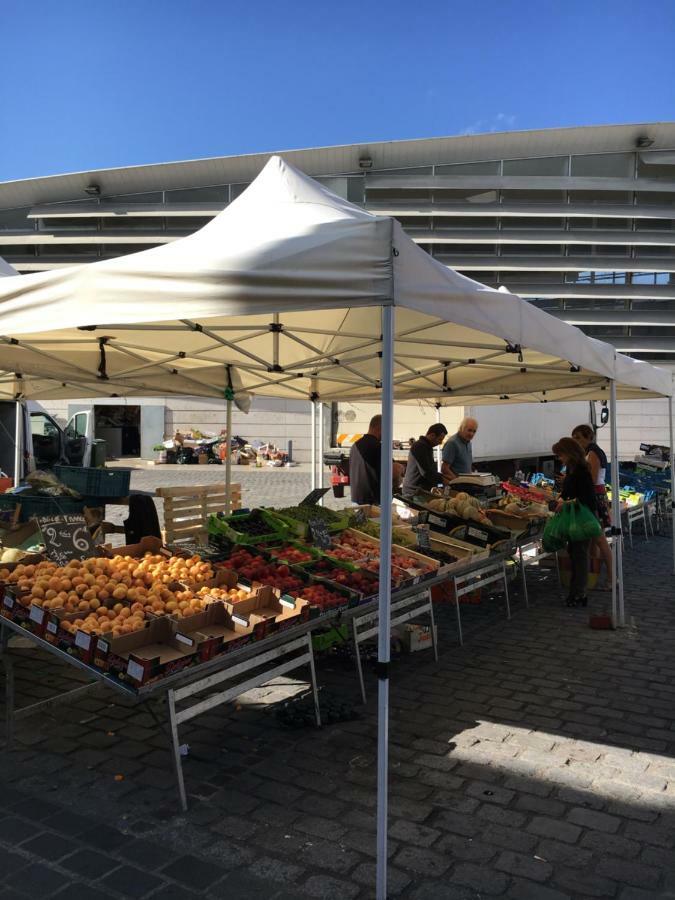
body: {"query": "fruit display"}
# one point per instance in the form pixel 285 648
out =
pixel 321 596
pixel 404 537
pixel 250 525
pixel 359 580
pixel 462 505
pixel 256 568
pixel 307 513
pixel 291 554
pixel 522 507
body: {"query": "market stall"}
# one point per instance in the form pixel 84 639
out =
pixel 235 297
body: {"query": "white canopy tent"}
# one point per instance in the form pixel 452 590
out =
pixel 296 293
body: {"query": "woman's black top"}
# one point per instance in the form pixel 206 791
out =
pixel 578 485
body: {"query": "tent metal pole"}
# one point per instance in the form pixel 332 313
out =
pixel 439 457
pixel 671 400
pixel 18 442
pixel 384 638
pixel 617 555
pixel 228 458
pixel 313 443
pixel 321 449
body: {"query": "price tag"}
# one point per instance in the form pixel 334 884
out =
pixel 184 639
pixel 135 670
pixel 287 601
pixel 66 538
pixel 423 540
pixel 435 520
pixel 83 640
pixel 8 601
pixel 36 614
pixel 52 627
pixel 313 497
pixel 359 517
pixel 101 645
pixel 479 535
pixel 320 533
pixel 239 620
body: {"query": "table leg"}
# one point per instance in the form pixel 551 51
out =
pixel 315 689
pixel 523 577
pixel 175 748
pixel 359 667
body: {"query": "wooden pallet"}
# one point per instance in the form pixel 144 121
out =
pixel 187 509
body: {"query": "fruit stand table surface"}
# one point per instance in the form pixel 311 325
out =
pixel 271 648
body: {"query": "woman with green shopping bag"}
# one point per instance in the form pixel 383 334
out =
pixel 576 514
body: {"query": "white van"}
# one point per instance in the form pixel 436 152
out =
pixel 44 443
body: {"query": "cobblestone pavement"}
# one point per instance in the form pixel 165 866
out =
pixel 538 761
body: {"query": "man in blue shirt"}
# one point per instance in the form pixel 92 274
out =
pixel 457 455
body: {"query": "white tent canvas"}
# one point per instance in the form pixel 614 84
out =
pixel 285 286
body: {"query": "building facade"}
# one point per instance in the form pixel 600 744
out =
pixel 579 221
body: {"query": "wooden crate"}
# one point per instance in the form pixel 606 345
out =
pixel 187 509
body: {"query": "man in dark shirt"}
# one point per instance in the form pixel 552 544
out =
pixel 421 472
pixel 364 465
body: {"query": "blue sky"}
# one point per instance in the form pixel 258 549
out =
pixel 85 85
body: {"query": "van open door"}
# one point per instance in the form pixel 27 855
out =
pixel 79 438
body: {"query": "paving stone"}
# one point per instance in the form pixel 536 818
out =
pixel 422 861
pixel 553 828
pixel 412 833
pixel 542 805
pixel 490 793
pixel 470 849
pixel 629 872
pixel 457 823
pixel 328 888
pixel 326 855
pixel 598 821
pixel 509 838
pixel 568 855
pixel 650 834
pixel 584 883
pixel 275 870
pixel 528 890
pixel 610 844
pixel 89 863
pixel 435 890
pixel 501 816
pixel 479 879
pixel 49 846
pixel 14 831
pixel 36 881
pixel 524 866
pixel 146 854
pixel 397 881
pixel 131 882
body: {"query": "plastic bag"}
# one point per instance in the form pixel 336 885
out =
pixel 574 522
pixel 583 524
pixel 555 532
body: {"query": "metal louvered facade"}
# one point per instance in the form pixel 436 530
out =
pixel 579 221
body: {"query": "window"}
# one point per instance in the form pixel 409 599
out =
pixel 128 199
pixel 533 223
pixel 605 165
pixel 550 165
pixel 15 220
pixel 466 195
pixel 655 224
pixel 549 304
pixel 131 223
pixel 656 198
pixel 657 164
pixel 68 224
pixel 531 250
pixel 186 224
pixel 592 198
pixel 491 167
pixel 42 426
pixel 219 193
pixel 518 196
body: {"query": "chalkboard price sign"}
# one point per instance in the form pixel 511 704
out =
pixel 66 538
pixel 313 497
pixel 423 537
pixel 359 517
pixel 320 533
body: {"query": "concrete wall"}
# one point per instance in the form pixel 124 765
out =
pixel 511 429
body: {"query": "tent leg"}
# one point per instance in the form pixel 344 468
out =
pixel 384 637
pixel 618 616
pixel 18 442
pixel 671 400
pixel 228 459
pixel 321 449
pixel 313 443
pixel 439 456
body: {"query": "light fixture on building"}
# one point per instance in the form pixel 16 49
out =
pixel 93 190
pixel 643 141
pixel 365 162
